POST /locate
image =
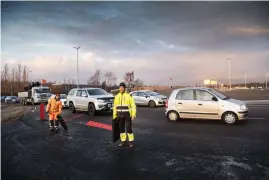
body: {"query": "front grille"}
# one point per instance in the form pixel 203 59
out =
pixel 164 98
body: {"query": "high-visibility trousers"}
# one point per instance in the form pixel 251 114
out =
pixel 126 122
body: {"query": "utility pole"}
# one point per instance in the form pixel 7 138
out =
pixel 266 76
pixel 230 84
pixel 169 83
pixel 245 80
pixel 77 48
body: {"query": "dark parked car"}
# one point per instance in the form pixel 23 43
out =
pixel 12 99
pixel 3 98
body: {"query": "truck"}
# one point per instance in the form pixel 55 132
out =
pixel 35 95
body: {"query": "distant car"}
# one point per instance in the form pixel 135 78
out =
pixel 204 103
pixel 89 99
pixel 148 98
pixel 3 98
pixel 63 99
pixel 12 99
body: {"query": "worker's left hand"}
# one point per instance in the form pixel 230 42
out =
pixel 132 118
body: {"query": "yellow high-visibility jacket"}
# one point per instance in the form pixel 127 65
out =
pixel 124 103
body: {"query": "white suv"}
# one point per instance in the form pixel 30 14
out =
pixel 89 99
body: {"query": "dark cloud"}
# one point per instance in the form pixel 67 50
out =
pixel 141 29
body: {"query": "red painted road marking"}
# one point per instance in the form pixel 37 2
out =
pixel 74 117
pixel 99 125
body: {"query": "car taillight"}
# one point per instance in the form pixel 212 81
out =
pixel 166 104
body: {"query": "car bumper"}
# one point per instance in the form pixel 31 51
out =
pixel 104 106
pixel 242 115
pixel 40 100
pixel 160 102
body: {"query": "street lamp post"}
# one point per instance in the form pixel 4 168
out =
pixel 77 48
pixel 266 77
pixel 230 84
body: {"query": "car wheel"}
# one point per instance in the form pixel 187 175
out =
pixel 172 116
pixel 229 118
pixel 152 104
pixel 91 109
pixel 72 108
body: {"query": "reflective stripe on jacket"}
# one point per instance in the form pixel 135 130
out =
pixel 54 106
pixel 124 105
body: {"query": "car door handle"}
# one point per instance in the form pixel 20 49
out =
pixel 200 104
pixel 179 103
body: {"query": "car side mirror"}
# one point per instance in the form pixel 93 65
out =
pixel 214 99
pixel 147 96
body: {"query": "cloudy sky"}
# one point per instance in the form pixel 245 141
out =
pixel 188 41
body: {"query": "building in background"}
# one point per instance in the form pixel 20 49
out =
pixel 210 83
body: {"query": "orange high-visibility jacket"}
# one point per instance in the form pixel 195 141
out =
pixel 54 106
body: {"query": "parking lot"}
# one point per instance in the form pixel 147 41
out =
pixel 187 149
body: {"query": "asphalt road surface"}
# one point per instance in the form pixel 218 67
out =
pixel 163 150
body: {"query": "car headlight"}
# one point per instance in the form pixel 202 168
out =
pixel 243 107
pixel 100 100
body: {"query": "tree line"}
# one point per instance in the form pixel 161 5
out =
pixel 109 79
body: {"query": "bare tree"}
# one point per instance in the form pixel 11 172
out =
pixel 5 74
pixel 110 78
pixel 138 83
pixel 13 75
pixel 129 79
pixel 25 74
pixel 95 80
pixel 19 74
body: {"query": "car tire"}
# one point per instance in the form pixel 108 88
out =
pixel 229 118
pixel 173 116
pixel 72 107
pixel 91 109
pixel 152 104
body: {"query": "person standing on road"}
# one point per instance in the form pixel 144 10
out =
pixel 124 110
pixel 54 108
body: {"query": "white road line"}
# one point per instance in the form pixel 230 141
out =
pixel 256 118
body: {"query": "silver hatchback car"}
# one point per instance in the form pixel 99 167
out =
pixel 148 98
pixel 204 103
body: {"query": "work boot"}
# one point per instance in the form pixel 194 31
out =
pixel 131 144
pixel 51 128
pixel 122 143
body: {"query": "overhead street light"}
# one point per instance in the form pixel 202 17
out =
pixel 229 61
pixel 77 48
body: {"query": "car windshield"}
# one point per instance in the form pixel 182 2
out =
pixel 94 92
pixel 13 97
pixel 63 96
pixel 216 93
pixel 152 93
pixel 44 90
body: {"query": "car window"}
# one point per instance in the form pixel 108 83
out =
pixel 72 92
pixel 202 95
pixel 185 95
pixel 142 94
pixel 84 93
pixel 134 94
pixel 78 93
pixel 63 96
pixel 94 92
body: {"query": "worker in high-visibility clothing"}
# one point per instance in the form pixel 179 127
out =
pixel 54 108
pixel 124 110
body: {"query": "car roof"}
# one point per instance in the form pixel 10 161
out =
pixel 141 91
pixel 85 88
pixel 191 88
